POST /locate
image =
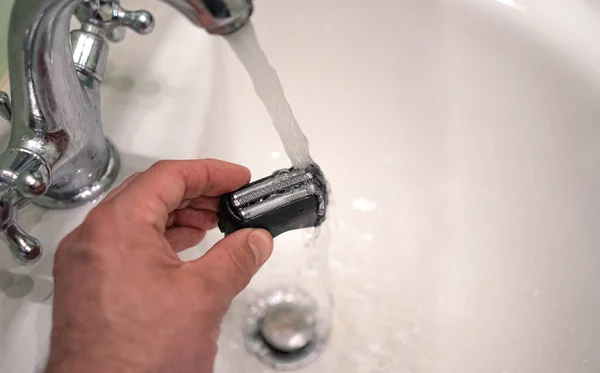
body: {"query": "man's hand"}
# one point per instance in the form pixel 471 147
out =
pixel 123 300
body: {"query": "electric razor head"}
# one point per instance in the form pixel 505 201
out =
pixel 288 199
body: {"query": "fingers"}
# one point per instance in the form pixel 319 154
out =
pixel 199 219
pixel 181 238
pixel 206 203
pixel 187 227
pixel 233 261
pixel 162 188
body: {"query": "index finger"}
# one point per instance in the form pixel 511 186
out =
pixel 160 190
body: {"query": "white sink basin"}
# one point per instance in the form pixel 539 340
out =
pixel 461 143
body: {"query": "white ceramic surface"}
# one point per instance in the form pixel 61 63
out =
pixel 461 142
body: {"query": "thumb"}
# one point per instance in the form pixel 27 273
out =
pixel 233 261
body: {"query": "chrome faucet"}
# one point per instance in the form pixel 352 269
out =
pixel 58 156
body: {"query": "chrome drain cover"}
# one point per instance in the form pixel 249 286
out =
pixel 281 329
pixel 288 327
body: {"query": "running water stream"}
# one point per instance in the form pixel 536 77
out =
pixel 269 89
pixel 300 272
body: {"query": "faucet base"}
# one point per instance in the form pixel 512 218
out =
pixel 91 192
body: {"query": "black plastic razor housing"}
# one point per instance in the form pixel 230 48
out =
pixel 287 200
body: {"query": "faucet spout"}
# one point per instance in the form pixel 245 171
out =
pixel 49 104
pixel 219 17
pixel 58 156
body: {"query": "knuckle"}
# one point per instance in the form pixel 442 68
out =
pixel 94 235
pixel 163 164
pixel 167 168
pixel 86 247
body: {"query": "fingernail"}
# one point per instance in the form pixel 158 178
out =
pixel 261 244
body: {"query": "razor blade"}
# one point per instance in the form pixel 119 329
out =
pixel 288 199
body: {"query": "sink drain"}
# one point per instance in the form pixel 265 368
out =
pixel 282 329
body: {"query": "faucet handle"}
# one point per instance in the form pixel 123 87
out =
pixel 24 176
pixel 113 18
pixel 139 21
